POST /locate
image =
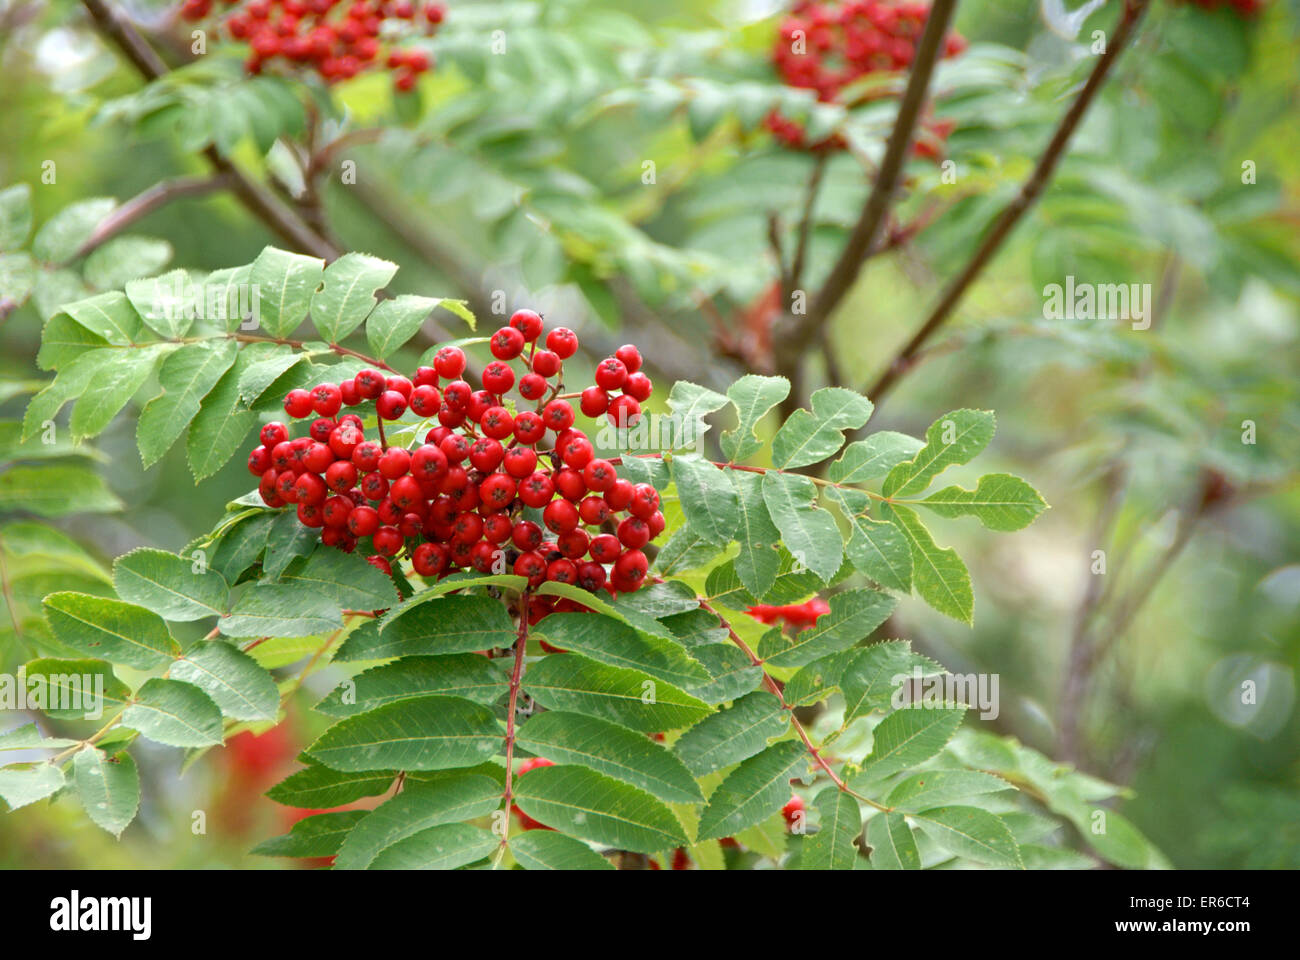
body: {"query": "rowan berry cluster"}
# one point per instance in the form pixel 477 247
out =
pixel 458 500
pixel 334 39
pixel 796 615
pixel 826 46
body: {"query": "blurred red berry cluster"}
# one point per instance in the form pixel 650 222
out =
pixel 826 46
pixel 458 500
pixel 334 39
pixel 796 615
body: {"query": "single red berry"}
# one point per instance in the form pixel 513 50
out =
pixel 593 510
pixel 546 363
pixel 563 342
pixel 532 386
pixel 634 532
pixel 498 377
pixel 507 343
pixel 497 423
pixel 610 373
pixel 630 570
pixel 533 566
pixel 638 387
pixel 792 810
pixel 349 392
pixel 309 488
pixel 529 427
pixel 620 494
pixel 630 357
pixel 526 535
pixel 528 323
pixel 273 433
pixel 456 447
pixel 400 384
pixel 430 559
pixel 558 415
pixel 562 571
pixel 519 462
pixel 405 492
pixel 341 476
pixel 317 457
pixel 426 377
pixel 425 400
pixel 570 484
pixel 370 384
pixel 336 510
pixel 449 362
pixel 624 411
pixel 577 452
pixel 591 576
pixel 594 401
pixel 394 462
pixel 310 515
pixel 486 454
pixel 259 461
pixel 390 405
pixel 457 395
pixel 645 501
pixel 497 492
pixel 321 428
pixel 387 540
pixel 605 548
pixel 536 490
pixel 574 543
pixel 366 455
pixel 298 404
pixel 327 399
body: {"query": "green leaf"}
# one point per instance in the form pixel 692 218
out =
pixel 108 315
pixel 811 437
pixel 15 215
pixel 237 683
pixel 222 424
pixel 20 786
pixel 422 733
pixel 29 737
pixel 64 340
pixel 873 457
pixel 938 574
pixel 755 790
pixel 609 641
pixel 175 713
pixel 449 624
pixel 71 382
pixel 594 807
pixel 831 847
pixel 759 560
pixel 345 578
pixel 938 788
pixel 691 403
pixel 17 277
pixel 318 836
pixel 317 787
pixel 396 321
pixel 462 796
pixel 910 736
pixel 347 293
pixel 117 631
pixel 271 365
pixel 707 498
pixel 73 688
pixel 809 532
pixel 892 845
pixel 241 545
pixel 281 610
pixel 880 551
pixel 124 258
pixel 56 490
pixel 167 585
pixel 285 283
pixel 548 850
pixel 444 847
pixel 853 615
pixel 952 439
pixel 109 788
pixel 61 236
pixel 731 735
pixel 466 675
pixel 111 388
pixel 971 833
pixel 165 303
pixel 873 674
pixel 610 749
pixel 999 501
pixel 286 540
pixel 569 681
pixel 658 600
pixel 754 397
pixel 185 378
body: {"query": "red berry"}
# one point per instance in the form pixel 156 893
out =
pixel 594 401
pixel 605 548
pixel 395 462
pixel 273 433
pixel 528 323
pixel 558 415
pixel 259 461
pixel 519 462
pixel 430 559
pixel 591 576
pixel 630 357
pixel 634 532
pixel 497 492
pixel 321 428
pixel 457 395
pixel 560 516
pixel 388 540
pixel 610 373
pixel 366 455
pixel 401 385
pixel 624 411
pixel 536 490
pixel 526 535
pixel 562 571
pixel 374 486
pixel 455 446
pixel 426 377
pixel 593 510
pixel 570 484
pixel 317 457
pixel 298 403
pixel 327 399
pixel 370 384
pixel 507 343
pixel 428 463
pixel 645 501
pixel 629 570
pixel 792 810
pixel 498 377
pixel 546 363
pixel 309 488
pixel 449 362
pixel 532 386
pixel 574 543
pixel 348 391
pixel 341 476
pixel 390 405
pixel 620 494
pixel 577 452
pixel 638 386
pixel 497 423
pixel 563 342
pixel 486 454
pixel 533 566
pixel 529 427
pixel 425 400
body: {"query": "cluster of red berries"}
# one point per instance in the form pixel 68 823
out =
pixel 825 46
pixel 336 40
pixel 796 615
pixel 458 500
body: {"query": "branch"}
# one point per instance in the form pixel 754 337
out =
pixel 1025 198
pixel 516 681
pixel 255 197
pixel 143 204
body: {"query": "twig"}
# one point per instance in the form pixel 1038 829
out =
pixel 1025 198
pixel 516 681
pixel 146 203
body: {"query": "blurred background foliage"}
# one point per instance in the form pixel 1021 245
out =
pixel 525 178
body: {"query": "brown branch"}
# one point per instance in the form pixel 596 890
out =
pixel 1025 198
pixel 145 203
pixel 516 681
pixel 795 277
pixel 255 197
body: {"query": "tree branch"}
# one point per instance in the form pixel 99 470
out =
pixel 145 203
pixel 255 197
pixel 1025 198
